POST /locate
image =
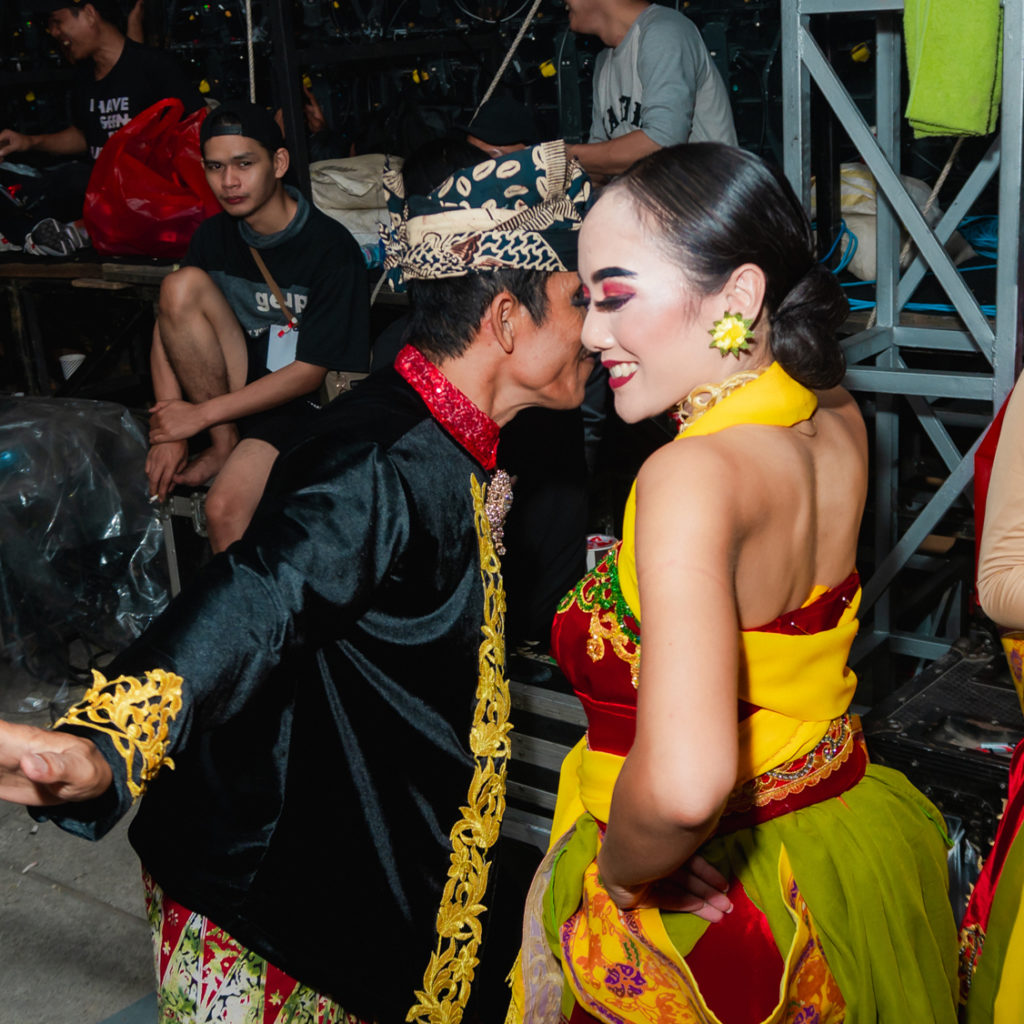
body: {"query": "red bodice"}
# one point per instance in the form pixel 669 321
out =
pixel 596 640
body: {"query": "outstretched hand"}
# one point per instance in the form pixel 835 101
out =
pixel 694 888
pixel 39 767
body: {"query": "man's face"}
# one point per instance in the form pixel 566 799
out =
pixel 554 365
pixel 74 31
pixel 242 173
pixel 584 15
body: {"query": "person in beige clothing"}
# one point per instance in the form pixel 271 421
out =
pixel 1001 559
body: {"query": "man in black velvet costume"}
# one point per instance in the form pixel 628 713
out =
pixel 320 724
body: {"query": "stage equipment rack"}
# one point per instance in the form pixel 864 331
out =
pixel 895 366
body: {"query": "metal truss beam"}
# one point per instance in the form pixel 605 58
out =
pixel 875 356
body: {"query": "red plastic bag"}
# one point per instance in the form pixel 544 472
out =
pixel 148 192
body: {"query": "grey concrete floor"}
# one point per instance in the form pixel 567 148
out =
pixel 74 942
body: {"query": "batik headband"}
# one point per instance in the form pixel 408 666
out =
pixel 522 210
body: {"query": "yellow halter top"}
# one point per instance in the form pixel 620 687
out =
pixel 798 684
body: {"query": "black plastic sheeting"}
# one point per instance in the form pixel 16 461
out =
pixel 80 544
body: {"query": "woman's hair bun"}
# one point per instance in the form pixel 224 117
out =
pixel 804 329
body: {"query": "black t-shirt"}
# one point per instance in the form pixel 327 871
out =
pixel 320 271
pixel 140 77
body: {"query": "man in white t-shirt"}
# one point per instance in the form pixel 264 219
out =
pixel 656 84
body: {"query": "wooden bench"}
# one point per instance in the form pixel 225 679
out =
pixel 26 284
pixel 548 721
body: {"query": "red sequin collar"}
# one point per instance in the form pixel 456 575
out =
pixel 473 429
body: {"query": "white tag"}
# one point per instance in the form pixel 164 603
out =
pixel 281 344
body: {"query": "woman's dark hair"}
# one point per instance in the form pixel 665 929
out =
pixel 446 312
pixel 715 208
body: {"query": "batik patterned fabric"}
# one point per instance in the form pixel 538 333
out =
pixel 621 972
pixel 522 210
pixel 204 976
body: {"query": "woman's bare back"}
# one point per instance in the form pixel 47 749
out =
pixel 800 509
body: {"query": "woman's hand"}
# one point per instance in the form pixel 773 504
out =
pixel 694 888
pixel 39 767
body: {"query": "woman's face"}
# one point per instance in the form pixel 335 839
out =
pixel 646 322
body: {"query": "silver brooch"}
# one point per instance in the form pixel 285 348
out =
pixel 496 505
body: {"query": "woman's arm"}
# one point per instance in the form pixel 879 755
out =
pixel 683 763
pixel 1001 559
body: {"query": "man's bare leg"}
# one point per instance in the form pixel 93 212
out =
pixel 199 342
pixel 237 490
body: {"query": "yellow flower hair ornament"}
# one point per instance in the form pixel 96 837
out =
pixel 731 334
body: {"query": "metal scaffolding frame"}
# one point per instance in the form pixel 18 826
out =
pixel 876 356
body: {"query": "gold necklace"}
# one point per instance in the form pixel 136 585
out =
pixel 705 396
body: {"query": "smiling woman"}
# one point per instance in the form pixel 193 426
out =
pixel 721 820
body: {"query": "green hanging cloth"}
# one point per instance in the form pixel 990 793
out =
pixel 955 64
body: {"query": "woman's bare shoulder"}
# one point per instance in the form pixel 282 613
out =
pixel 840 402
pixel 710 474
pixel 840 422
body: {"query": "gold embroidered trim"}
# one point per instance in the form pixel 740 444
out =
pixel 599 595
pixel 449 974
pixel 832 751
pixel 704 396
pixel 972 940
pixel 135 715
pixel 605 627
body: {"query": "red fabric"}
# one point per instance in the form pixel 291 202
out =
pixel 749 999
pixel 148 193
pixel 983 457
pixel 845 777
pixel 579 1016
pixel 1009 825
pixel 278 986
pixel 820 615
pixel 175 917
pixel 469 425
pixel 745 999
pixel 611 727
pixel 604 687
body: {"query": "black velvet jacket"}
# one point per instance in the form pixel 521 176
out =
pixel 338 753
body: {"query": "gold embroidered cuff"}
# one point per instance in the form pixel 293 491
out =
pixel 136 716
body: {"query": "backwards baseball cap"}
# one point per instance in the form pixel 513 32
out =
pixel 245 119
pixel 522 210
pixel 502 121
pixel 45 6
pixel 108 9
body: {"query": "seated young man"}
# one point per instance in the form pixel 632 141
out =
pixel 227 358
